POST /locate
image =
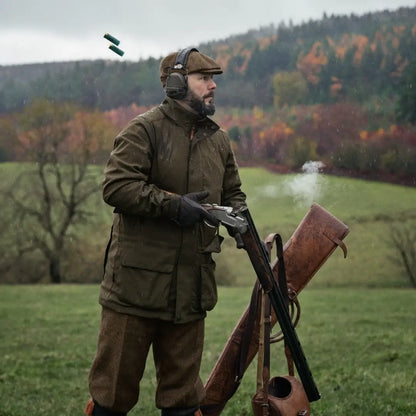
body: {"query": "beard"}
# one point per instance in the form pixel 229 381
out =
pixel 198 104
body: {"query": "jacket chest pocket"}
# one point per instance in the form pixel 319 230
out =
pixel 206 171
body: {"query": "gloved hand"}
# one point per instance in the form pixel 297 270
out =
pixel 190 210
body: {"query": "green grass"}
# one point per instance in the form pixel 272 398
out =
pixel 368 208
pixel 278 203
pixel 359 345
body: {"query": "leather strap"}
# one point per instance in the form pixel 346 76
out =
pixel 339 243
pixel 281 280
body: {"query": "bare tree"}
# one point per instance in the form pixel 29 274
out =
pixel 49 197
pixel 403 238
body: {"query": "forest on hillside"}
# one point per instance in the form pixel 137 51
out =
pixel 339 89
pixel 338 57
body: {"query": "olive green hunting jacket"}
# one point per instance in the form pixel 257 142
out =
pixel 153 267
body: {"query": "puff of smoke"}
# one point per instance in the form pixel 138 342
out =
pixel 307 187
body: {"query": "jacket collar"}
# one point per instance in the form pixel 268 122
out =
pixel 182 117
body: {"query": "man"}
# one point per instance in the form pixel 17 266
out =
pixel 159 274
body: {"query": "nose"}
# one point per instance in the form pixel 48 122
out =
pixel 212 85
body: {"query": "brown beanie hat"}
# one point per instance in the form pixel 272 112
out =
pixel 197 62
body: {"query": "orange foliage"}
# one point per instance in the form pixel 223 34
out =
pixel 246 54
pixel 317 118
pixel 399 30
pixel 270 141
pixel 379 40
pixel 329 125
pixel 360 42
pixel 265 42
pixel 342 47
pixel 336 87
pixel 384 40
pixel 400 66
pixel 237 46
pixel 81 133
pixel 393 129
pixel 331 42
pixel 311 64
pixel 223 55
pixel 393 133
pixel 90 133
pixel 87 136
pixel 122 115
pixel 223 60
pixel 254 118
pixel 258 113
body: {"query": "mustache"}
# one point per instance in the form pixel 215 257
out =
pixel 210 94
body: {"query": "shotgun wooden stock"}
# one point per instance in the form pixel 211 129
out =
pixel 314 240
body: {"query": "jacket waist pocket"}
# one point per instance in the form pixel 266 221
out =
pixel 153 256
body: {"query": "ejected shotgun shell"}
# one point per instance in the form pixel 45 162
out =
pixel 118 51
pixel 112 39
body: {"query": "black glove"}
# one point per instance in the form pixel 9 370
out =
pixel 190 210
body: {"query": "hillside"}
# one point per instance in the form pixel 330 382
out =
pixel 340 57
pixel 277 204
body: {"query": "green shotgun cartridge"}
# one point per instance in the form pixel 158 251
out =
pixel 118 51
pixel 112 39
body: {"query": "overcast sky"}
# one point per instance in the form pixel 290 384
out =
pixel 33 31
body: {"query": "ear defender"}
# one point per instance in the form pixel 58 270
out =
pixel 177 82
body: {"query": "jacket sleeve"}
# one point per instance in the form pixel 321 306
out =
pixel 126 176
pixel 232 195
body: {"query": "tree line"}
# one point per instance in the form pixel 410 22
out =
pixel 338 57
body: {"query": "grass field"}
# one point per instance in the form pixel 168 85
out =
pixel 278 203
pixel 359 345
pixel 357 326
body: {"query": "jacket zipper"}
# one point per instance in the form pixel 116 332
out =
pixel 191 138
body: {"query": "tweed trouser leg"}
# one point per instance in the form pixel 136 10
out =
pixel 123 346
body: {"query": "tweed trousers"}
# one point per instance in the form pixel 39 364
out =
pixel 123 346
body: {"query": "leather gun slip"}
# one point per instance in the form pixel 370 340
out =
pixel 314 240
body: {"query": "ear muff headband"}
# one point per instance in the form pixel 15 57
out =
pixel 182 58
pixel 176 83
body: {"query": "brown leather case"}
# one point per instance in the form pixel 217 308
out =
pixel 314 240
pixel 286 397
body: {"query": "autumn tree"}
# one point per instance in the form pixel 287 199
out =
pixel 49 197
pixel 310 64
pixel 289 88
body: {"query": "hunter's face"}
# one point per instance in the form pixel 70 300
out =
pixel 200 95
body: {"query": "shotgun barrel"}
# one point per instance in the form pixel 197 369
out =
pixel 241 225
